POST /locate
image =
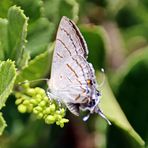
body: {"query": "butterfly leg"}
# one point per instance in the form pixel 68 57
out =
pixel 50 95
pixel 53 97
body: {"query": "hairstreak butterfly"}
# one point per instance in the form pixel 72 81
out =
pixel 73 81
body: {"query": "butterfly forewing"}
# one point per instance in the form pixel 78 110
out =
pixel 71 37
pixel 69 42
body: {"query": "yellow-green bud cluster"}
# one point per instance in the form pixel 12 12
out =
pixel 35 100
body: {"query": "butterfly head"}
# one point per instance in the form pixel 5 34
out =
pixel 93 107
pixel 93 102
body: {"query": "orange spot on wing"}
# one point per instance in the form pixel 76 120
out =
pixel 89 82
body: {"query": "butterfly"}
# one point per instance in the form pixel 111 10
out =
pixel 72 80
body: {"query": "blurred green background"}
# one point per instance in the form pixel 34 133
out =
pixel 117 38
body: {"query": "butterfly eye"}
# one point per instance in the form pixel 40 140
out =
pixel 92 103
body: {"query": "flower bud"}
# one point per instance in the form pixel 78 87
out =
pixel 46 99
pixel 33 101
pixel 64 120
pixel 30 91
pixel 47 110
pixel 38 98
pixel 62 112
pixel 52 107
pixel 29 108
pixel 18 95
pixel 18 101
pixel 57 123
pixel 35 111
pixel 22 108
pixel 42 103
pixel 50 119
pixel 36 101
pixel 39 116
pixel 26 84
pixel 61 125
pixel 38 108
pixel 40 91
pixel 58 117
pixel 26 102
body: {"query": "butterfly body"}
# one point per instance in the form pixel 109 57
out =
pixel 73 79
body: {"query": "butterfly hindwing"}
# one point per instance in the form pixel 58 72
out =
pixel 75 80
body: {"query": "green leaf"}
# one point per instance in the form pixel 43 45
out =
pixel 115 6
pixel 4 6
pixel 130 85
pixel 17 32
pixel 114 113
pixel 39 36
pixel 54 10
pixel 7 78
pixel 2 124
pixel 94 36
pixel 73 5
pixel 135 36
pixel 37 68
pixel 132 61
pixel 3 38
pixel 32 9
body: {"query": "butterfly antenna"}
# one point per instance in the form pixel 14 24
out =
pixel 103 79
pixel 20 83
pixel 103 116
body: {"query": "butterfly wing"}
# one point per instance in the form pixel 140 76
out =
pixel 76 77
pixel 74 82
pixel 69 42
pixel 72 77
